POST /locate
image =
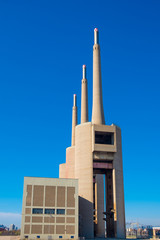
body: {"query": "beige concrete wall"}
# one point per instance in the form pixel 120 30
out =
pixel 67 170
pixel 70 162
pixel 56 194
pixel 84 173
pixel 62 170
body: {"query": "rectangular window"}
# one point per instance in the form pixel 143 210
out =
pixel 49 211
pixel 60 211
pixel 37 210
pixel 104 138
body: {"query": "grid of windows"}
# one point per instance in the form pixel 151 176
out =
pixel 37 210
pixel 50 217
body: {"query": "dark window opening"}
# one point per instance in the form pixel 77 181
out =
pixel 37 210
pixel 49 211
pixel 104 138
pixel 60 211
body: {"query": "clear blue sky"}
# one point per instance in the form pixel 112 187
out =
pixel 43 45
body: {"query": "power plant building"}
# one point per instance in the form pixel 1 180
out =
pixel 91 177
pixel 95 159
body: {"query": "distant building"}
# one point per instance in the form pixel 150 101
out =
pixel 50 208
pixel 131 232
pixel 11 227
pixel 2 228
pixel 156 231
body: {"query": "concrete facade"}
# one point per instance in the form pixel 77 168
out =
pixel 96 161
pixel 50 208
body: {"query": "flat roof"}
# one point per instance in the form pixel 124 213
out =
pixel 52 178
pixel 51 181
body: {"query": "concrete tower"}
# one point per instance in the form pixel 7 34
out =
pixel 84 98
pixel 97 107
pixel 95 159
pixel 74 118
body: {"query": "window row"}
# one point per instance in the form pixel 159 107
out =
pixel 47 211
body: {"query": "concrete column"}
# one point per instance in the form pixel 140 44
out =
pixel 100 226
pixel 97 107
pixel 109 204
pixel 74 118
pixel 118 189
pixel 84 97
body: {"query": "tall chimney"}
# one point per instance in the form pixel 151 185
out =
pixel 97 107
pixel 74 118
pixel 84 97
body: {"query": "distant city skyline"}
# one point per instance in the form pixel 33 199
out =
pixel 41 64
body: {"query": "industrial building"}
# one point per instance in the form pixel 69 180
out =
pixel 93 167
pixel 50 208
pixel 95 154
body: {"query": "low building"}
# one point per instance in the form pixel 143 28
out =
pixel 50 208
pixel 156 231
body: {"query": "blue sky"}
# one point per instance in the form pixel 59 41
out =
pixel 43 45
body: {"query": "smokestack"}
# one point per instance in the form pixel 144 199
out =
pixel 84 97
pixel 74 118
pixel 97 107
